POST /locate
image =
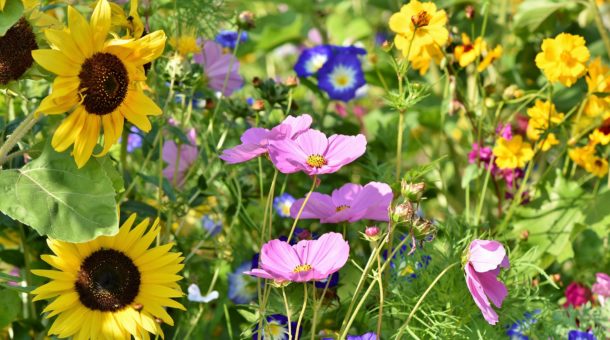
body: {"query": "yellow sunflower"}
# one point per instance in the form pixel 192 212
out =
pixel 113 287
pixel 98 81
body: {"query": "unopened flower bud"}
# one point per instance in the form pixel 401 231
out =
pixel 412 191
pixel 403 212
pixel 372 233
pixel 525 235
pixel 490 103
pixel 386 46
pixel 422 228
pixel 556 278
pixel 292 81
pixel 245 20
pixel 470 12
pixel 258 105
pixel 256 81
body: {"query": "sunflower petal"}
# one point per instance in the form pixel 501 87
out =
pixel 81 32
pixel 56 62
pixel 86 140
pixel 100 22
pixel 62 41
pixel 68 130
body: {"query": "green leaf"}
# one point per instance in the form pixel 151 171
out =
pixel 112 173
pixel 277 30
pixel 531 14
pixel 13 10
pixel 598 215
pixel 11 307
pixel 58 200
pixel 471 172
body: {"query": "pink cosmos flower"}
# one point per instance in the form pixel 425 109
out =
pixel 313 153
pixel 351 202
pixel 308 260
pixel 255 141
pixel 216 66
pixel 602 287
pixel 577 295
pixel 484 261
pixel 179 158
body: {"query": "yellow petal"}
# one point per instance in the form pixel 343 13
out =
pixel 100 22
pixel 86 140
pixel 113 127
pixel 56 62
pixel 81 32
pixel 63 42
pixel 68 130
pixel 140 121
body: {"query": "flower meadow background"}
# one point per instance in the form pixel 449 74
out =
pixel 365 169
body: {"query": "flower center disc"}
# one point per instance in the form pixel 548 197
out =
pixel 341 208
pixel 421 19
pixel 103 82
pixel 302 268
pixel 107 281
pixel 16 51
pixel 316 161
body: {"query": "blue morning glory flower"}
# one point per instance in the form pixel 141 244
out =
pixel 366 336
pixel 578 335
pixel 341 76
pixel 134 139
pixel 334 280
pixel 242 287
pixel 228 39
pixel 212 225
pixel 282 204
pixel 312 59
pixel 275 327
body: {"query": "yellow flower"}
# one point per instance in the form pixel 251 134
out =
pixel 468 51
pixel 598 80
pixel 542 115
pixel 98 81
pixel 563 58
pixel 600 136
pixel 421 61
pixel 419 25
pixel 131 22
pixel 596 166
pixel 580 155
pixel 490 57
pixel 114 287
pixel 185 44
pixel 513 153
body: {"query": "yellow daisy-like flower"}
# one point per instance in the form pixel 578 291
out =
pixel 542 116
pixel 596 166
pixel 563 58
pixel 114 287
pixel 512 153
pixel 185 44
pixel 580 155
pixel 99 81
pixel 419 25
pixel 468 51
pixel 601 135
pixel 489 58
pixel 598 81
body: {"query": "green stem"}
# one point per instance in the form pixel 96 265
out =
pixel 296 220
pixel 287 313
pixel 401 121
pixel 482 198
pixel 600 25
pixel 21 130
pixel 422 297
pixel 302 310
pixel 381 297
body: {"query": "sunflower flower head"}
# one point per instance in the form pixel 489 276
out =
pixel 512 153
pixel 16 47
pixel 113 287
pixel 563 58
pixel 419 25
pixel 98 83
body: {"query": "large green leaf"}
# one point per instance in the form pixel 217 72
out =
pixel 57 199
pixel 13 10
pixel 532 13
pixel 11 306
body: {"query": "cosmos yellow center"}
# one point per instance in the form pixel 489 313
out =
pixel 342 207
pixel 16 47
pixel 302 268
pixel 421 19
pixel 316 161
pixel 103 83
pixel 107 281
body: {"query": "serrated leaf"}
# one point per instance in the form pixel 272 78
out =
pixel 11 306
pixel 13 10
pixel 53 196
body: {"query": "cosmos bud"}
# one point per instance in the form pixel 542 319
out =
pixel 372 233
pixel 412 191
pixel 292 81
pixel 245 20
pixel 403 212
pixel 470 12
pixel 259 105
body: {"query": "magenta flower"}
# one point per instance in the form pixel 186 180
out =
pixel 479 154
pixel 308 260
pixel 484 261
pixel 351 202
pixel 255 141
pixel 216 65
pixel 313 153
pixel 505 131
pixel 179 158
pixel 602 287
pixel 577 295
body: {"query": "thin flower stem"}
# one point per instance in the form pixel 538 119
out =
pixel 401 121
pixel 482 198
pixel 296 220
pixel 381 297
pixel 600 25
pixel 314 321
pixel 422 297
pixel 26 125
pixel 302 310
pixel 315 310
pixel 287 313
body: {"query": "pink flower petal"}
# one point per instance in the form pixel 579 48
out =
pixel 319 206
pixel 478 294
pixel 287 156
pixel 312 142
pixel 487 255
pixel 343 150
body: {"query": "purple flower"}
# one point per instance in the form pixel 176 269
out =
pixel 485 258
pixel 505 131
pixel 228 39
pixel 216 65
pixel 578 335
pixel 134 139
pixel 366 336
pixel 602 287
pixel 311 60
pixel 511 176
pixel 518 330
pixel 179 158
pixel 314 154
pixel 479 154
pixel 351 202
pixel 341 76
pixel 334 281
pixel 576 295
pixel 256 141
pixel 213 226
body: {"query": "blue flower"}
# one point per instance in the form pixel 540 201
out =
pixel 282 204
pixel 212 225
pixel 518 330
pixel 334 280
pixel 242 287
pixel 134 139
pixel 366 336
pixel 312 59
pixel 228 39
pixel 275 327
pixel 341 76
pixel 578 335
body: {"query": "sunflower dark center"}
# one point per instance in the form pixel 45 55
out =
pixel 107 281
pixel 16 51
pixel 103 82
